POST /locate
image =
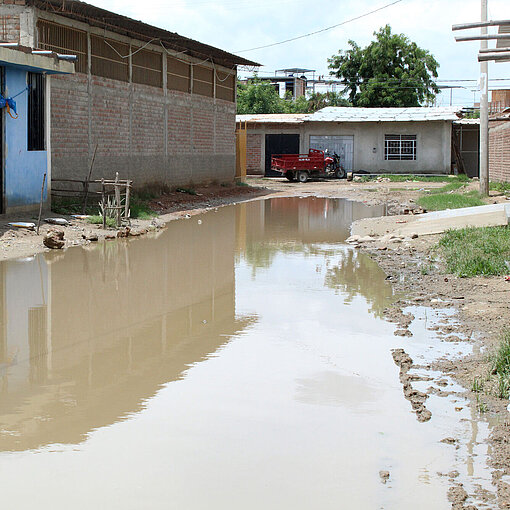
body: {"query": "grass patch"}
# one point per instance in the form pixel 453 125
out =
pixel 476 251
pixel 504 187
pixel 416 178
pixel 447 188
pixel 441 201
pixel 97 219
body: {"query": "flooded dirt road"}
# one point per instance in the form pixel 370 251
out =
pixel 236 360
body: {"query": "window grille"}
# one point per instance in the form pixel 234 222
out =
pixel 225 86
pixel 62 39
pixel 147 67
pixel 36 128
pixel 107 61
pixel 203 80
pixel 178 75
pixel 400 147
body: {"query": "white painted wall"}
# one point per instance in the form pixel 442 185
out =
pixel 433 143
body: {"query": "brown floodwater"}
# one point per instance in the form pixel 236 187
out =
pixel 236 360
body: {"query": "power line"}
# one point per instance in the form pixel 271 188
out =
pixel 322 29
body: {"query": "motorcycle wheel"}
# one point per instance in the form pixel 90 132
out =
pixel 340 173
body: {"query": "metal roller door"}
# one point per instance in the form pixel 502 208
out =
pixel 341 145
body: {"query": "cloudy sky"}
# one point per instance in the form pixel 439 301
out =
pixel 237 25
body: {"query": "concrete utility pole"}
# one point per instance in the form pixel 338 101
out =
pixel 484 110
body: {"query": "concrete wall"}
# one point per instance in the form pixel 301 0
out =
pixel 23 169
pixel 433 144
pixel 499 151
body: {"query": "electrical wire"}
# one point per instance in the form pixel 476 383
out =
pixel 322 29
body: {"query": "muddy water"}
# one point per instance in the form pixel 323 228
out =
pixel 237 360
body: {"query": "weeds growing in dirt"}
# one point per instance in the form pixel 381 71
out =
pixel 504 386
pixel 416 178
pixel 481 406
pixel 477 385
pixel 504 187
pixel 476 251
pixel 501 360
pixel 441 201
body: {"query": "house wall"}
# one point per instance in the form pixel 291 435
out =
pixel 23 169
pixel 150 134
pixel 433 144
pixel 499 151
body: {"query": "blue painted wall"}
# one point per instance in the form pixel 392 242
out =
pixel 24 169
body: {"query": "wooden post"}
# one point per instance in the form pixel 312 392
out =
pixel 117 199
pixel 103 203
pixel 126 208
pixel 40 203
pixel 86 184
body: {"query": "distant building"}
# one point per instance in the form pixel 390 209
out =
pixel 290 82
pixel 374 140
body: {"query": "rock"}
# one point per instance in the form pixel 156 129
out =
pixel 402 332
pixel 54 239
pixel 353 239
pixel 413 235
pixel 124 232
pixel 384 476
pixel 366 239
pixel 448 440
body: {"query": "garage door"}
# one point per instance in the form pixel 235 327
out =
pixel 341 145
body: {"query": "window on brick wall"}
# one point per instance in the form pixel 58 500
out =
pixel 147 67
pixel 203 81
pixel 400 147
pixel 36 117
pixel 225 85
pixel 178 74
pixel 62 39
pixel 107 58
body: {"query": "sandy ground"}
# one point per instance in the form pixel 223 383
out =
pixel 481 305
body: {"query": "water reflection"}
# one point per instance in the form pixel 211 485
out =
pixel 92 334
pixel 87 336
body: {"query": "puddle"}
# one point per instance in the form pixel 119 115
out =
pixel 237 361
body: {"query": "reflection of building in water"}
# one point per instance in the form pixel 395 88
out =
pixel 307 220
pixel 96 332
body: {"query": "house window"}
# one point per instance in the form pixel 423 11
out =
pixel 36 131
pixel 400 147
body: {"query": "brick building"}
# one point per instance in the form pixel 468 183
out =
pixel 499 147
pixel 160 107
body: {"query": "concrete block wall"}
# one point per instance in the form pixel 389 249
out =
pixel 499 151
pixel 141 132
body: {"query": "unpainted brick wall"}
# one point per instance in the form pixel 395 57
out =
pixel 140 132
pixel 254 154
pixel 9 27
pixel 499 151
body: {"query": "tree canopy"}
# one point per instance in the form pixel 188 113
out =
pixel 390 71
pixel 259 96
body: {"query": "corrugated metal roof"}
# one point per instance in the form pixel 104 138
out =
pixel 468 122
pixel 96 16
pixel 273 118
pixel 351 114
pixel 346 114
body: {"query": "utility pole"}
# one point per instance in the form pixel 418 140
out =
pixel 484 109
pixel 484 56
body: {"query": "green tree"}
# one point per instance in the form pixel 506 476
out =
pixel 390 71
pixel 258 96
